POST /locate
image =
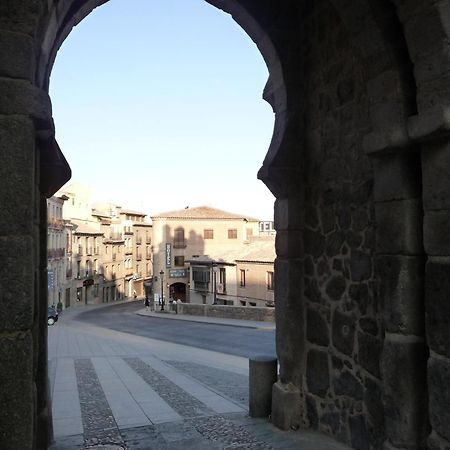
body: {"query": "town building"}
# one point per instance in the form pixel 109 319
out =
pixel 108 250
pixel 242 276
pixel 189 245
pixel 56 250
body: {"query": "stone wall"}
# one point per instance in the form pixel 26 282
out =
pixel 363 253
pixel 260 314
pixel 344 333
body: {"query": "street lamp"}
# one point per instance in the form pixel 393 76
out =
pixel 214 268
pixel 162 289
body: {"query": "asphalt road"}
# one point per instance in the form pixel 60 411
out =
pixel 227 339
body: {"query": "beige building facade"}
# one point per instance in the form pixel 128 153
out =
pixel 57 257
pixel 108 250
pixel 195 251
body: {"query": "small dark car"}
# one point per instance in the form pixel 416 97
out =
pixel 52 315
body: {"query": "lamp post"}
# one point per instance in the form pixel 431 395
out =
pixel 214 268
pixel 162 289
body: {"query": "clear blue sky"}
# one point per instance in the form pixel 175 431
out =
pixel 158 105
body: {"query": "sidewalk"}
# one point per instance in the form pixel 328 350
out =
pixel 113 390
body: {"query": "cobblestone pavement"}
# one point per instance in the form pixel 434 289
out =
pixel 116 391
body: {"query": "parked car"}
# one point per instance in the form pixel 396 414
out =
pixel 52 315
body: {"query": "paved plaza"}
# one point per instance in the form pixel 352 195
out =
pixel 114 390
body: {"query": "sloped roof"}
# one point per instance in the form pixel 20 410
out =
pixel 82 227
pixel 201 212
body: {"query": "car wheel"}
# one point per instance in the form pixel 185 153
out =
pixel 50 321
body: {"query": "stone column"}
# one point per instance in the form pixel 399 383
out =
pixel 436 195
pixel 400 267
pixel 287 397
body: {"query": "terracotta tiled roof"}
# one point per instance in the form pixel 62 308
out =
pixel 201 212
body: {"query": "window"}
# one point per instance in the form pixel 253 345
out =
pixel 179 261
pixel 200 277
pixel 222 286
pixel 232 233
pixel 208 233
pixel 178 238
pixel 242 277
pixel 270 281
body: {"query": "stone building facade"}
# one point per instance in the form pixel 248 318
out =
pixel 360 166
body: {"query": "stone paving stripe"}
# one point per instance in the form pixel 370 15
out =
pixel 99 426
pixel 217 379
pixel 152 405
pixel 126 411
pixel 66 412
pixel 182 402
pixel 210 398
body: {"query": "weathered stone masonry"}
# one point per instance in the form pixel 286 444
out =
pixel 360 166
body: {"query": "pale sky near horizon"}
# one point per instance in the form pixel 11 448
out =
pixel 158 106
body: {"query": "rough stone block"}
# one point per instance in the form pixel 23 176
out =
pixel 437 306
pixel 19 15
pixel 16 55
pixel 401 292
pixel 399 227
pixel 360 265
pixel 397 176
pixel 17 174
pixel 21 97
pixel 343 332
pixel 369 351
pixel 288 214
pixel 439 390
pixel 336 287
pixel 16 393
pixel 289 244
pixel 286 406
pixel 317 328
pixel 436 233
pixel 358 432
pixel 347 384
pixel 317 373
pixel 403 368
pixel 16 284
pixel 436 182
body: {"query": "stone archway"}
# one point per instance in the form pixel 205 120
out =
pixel 359 164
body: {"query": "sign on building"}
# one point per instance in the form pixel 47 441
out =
pixel 50 279
pixel 168 255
